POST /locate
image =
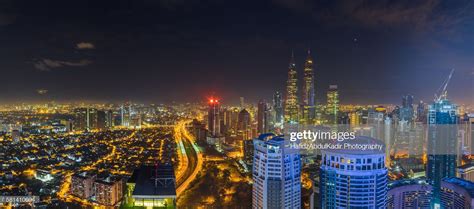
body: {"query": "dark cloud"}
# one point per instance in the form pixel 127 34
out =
pixel 385 12
pixel 424 15
pixel 85 45
pixel 48 64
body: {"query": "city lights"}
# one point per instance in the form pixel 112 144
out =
pixel 246 104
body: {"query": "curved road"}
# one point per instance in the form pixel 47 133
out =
pixel 191 159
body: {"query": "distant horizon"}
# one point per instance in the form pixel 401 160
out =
pixel 204 101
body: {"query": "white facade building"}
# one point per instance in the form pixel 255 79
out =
pixel 276 174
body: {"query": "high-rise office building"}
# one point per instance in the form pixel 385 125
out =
pixel 101 120
pixel 278 107
pixel 213 118
pixel 354 178
pixel 407 101
pixel 375 120
pixel 242 103
pixel 247 150
pixel 442 142
pixel 199 130
pixel 276 174
pixel 406 112
pixel 355 118
pixel 409 194
pixel 262 117
pixel 332 107
pixel 109 120
pixel 91 119
pixel 244 126
pixel 468 127
pixel 421 112
pixel 85 119
pixel 456 193
pixel 387 138
pixel 80 119
pixel 308 109
pixel 124 116
pixel 291 97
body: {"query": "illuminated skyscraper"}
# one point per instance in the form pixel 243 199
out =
pixel 125 115
pixel 91 118
pixel 409 194
pixel 442 142
pixel 278 107
pixel 80 119
pixel 276 174
pixel 406 112
pixel 421 112
pixel 308 90
pixel 262 117
pixel 457 193
pixel 85 119
pixel 291 100
pixel 213 116
pixel 407 101
pixel 355 118
pixel 244 128
pixel 332 107
pixel 109 120
pixel 242 103
pixel 354 178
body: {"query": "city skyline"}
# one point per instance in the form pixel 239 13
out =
pixel 117 51
pixel 299 104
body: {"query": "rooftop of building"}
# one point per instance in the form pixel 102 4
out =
pixel 151 180
pixel 467 166
pixel 465 184
pixel 406 182
pixel 85 175
pixel 109 180
pixel 272 139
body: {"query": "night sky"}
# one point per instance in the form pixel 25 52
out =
pixel 177 50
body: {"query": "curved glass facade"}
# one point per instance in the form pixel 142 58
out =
pixel 353 180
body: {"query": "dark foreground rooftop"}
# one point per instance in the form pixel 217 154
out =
pixel 154 181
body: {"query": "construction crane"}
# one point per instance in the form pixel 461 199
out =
pixel 442 92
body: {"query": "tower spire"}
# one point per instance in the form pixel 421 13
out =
pixel 309 54
pixel 292 60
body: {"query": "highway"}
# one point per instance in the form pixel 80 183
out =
pixel 191 158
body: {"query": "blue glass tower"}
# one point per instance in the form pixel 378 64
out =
pixel 442 138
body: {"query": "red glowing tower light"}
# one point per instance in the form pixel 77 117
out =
pixel 212 101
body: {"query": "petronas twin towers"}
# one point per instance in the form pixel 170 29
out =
pixel 296 112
